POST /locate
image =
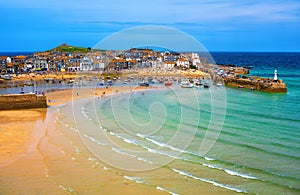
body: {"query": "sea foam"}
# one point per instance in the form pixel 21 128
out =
pixel 230 172
pixel 207 181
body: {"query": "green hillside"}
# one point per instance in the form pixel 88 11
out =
pixel 68 48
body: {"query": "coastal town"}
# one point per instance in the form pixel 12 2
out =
pixel 64 63
pixel 70 59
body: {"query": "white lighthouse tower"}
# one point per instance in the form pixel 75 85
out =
pixel 275 75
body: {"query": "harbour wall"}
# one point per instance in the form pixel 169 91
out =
pixel 22 101
pixel 273 87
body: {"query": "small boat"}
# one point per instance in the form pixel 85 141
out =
pixel 219 84
pixel 186 84
pixel 198 82
pixel 206 85
pixel 252 88
pixel 240 86
pixel 144 84
pixel 109 82
pixel 168 83
pixel 71 81
pixel 7 77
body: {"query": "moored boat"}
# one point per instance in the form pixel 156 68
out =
pixel 7 77
pixel 206 85
pixel 186 84
pixel 168 83
pixel 198 82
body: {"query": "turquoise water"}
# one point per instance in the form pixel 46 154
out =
pixel 257 150
pixel 235 139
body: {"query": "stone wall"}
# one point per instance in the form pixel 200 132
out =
pixel 22 101
pixel 260 86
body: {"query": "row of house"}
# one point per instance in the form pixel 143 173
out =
pixel 96 60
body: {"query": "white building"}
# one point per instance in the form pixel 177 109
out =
pixel 196 59
pixel 169 65
pixel 8 60
pixel 183 62
pixel 28 64
pixel 86 64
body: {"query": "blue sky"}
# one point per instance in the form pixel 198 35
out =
pixel 220 25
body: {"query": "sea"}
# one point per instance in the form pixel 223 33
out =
pixel 219 140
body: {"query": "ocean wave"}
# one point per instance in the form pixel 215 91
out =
pixel 131 155
pixel 230 172
pixel 208 181
pixel 151 150
pixel 135 179
pixel 209 159
pixel 159 152
pixel 94 140
pixel 165 190
pixel 165 145
pixel 130 141
pixel 161 144
pixel 173 148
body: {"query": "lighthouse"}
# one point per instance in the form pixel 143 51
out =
pixel 275 75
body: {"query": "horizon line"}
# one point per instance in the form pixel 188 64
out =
pixel 179 51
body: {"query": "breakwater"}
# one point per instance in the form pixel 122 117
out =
pixel 260 84
pixel 22 101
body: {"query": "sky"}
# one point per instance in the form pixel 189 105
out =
pixel 219 25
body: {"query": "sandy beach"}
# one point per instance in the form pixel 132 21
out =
pixel 32 161
pixel 40 154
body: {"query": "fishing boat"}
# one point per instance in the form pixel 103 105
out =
pixel 186 84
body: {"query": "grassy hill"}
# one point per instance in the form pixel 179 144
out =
pixel 69 48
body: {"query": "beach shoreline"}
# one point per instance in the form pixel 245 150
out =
pixel 21 151
pixel 54 156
